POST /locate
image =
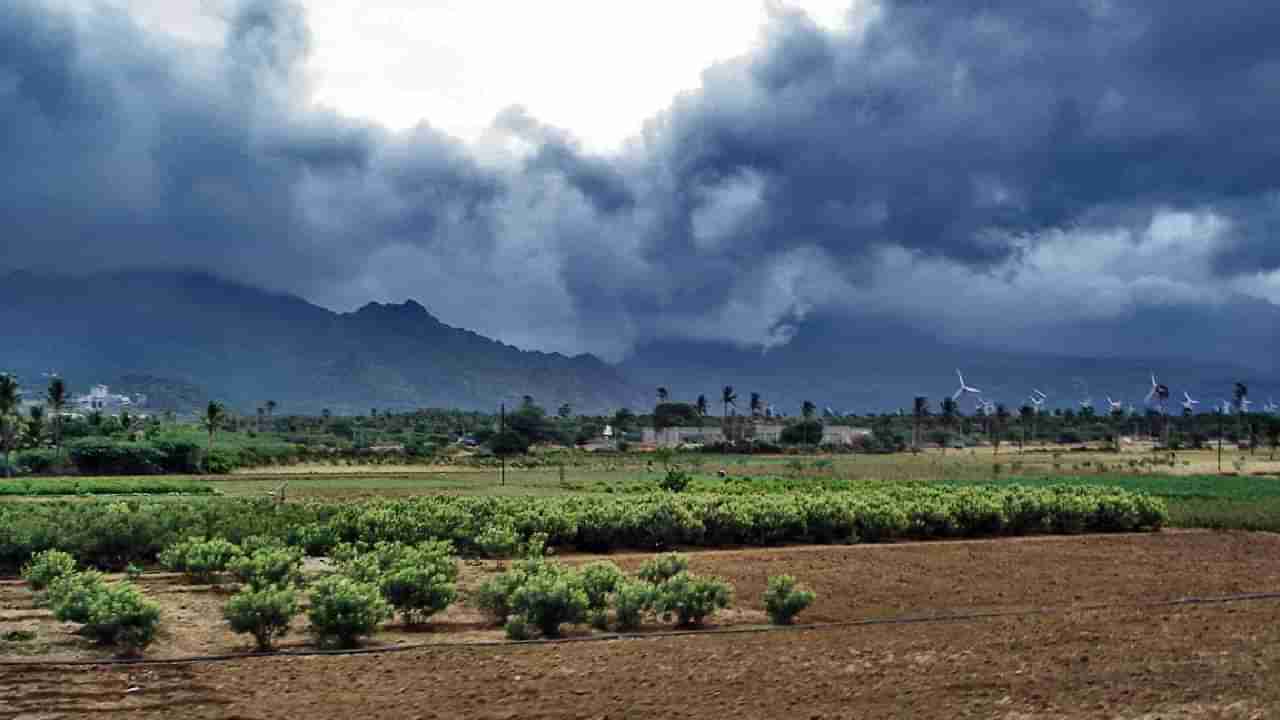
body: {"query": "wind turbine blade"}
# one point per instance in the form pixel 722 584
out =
pixel 958 394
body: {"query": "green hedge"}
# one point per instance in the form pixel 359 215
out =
pixel 111 534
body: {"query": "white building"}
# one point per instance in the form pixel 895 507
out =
pixel 101 399
pixel 677 436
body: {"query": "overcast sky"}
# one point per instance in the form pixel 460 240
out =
pixel 586 176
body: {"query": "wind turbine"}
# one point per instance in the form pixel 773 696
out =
pixel 1271 406
pixel 964 389
pixel 1115 405
pixel 1158 392
pixel 1188 403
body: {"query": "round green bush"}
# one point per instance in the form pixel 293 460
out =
pixel 71 596
pixel 598 581
pixel 268 566
pixel 199 559
pixel 418 592
pixel 121 615
pixel 660 569
pixel 691 598
pixel 631 600
pixel 783 600
pixel 343 610
pixel 549 599
pixel 263 612
pixel 47 566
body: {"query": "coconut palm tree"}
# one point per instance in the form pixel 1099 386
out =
pixel 663 395
pixel 56 399
pixel 950 410
pixel 919 411
pixel 757 406
pixel 728 397
pixel 214 416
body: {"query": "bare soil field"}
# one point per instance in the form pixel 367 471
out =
pixel 1083 637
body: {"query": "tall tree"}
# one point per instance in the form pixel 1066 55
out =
pixel 1026 413
pixel 663 394
pixel 702 405
pixel 950 410
pixel 807 410
pixel 1241 396
pixel 566 411
pixel 1001 422
pixel 271 408
pixel 10 422
pixel 919 411
pixel 56 399
pixel 728 397
pixel 214 415
pixel 757 406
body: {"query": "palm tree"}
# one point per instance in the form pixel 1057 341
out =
pixel 214 415
pixel 1002 419
pixel 807 409
pixel 949 412
pixel 35 428
pixel 56 398
pixel 728 397
pixel 261 414
pixel 919 411
pixel 271 408
pixel 756 405
pixel 1240 394
pixel 702 405
pixel 663 394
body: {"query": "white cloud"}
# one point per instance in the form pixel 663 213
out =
pixel 596 68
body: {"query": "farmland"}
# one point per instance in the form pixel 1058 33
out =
pixel 1073 633
pixel 1033 595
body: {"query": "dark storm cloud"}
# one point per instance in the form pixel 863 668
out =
pixel 958 133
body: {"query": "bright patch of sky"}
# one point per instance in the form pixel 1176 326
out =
pixel 598 69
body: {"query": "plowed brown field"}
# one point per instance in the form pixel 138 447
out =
pixel 1126 659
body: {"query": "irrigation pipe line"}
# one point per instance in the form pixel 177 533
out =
pixel 609 637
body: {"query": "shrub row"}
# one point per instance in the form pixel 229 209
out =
pixel 111 534
pixel 538 593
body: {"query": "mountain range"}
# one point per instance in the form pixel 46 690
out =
pixel 182 337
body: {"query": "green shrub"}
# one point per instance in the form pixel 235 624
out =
pixel 661 568
pixel 549 599
pixel 315 539
pixel 498 541
pixel 200 560
pixel 268 566
pixel 517 629
pixel 598 581
pixel 675 481
pixel 121 615
pixel 783 600
pixel 71 596
pixel 47 566
pixel 262 612
pixel 221 461
pixel 493 597
pixel 343 610
pixel 691 598
pixel 417 591
pixel 631 600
